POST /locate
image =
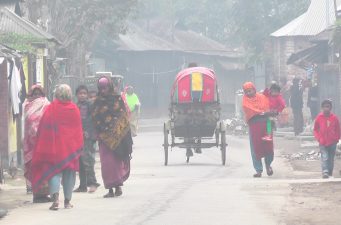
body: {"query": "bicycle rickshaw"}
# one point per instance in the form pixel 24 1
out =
pixel 195 114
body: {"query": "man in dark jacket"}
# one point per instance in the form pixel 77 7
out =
pixel 296 103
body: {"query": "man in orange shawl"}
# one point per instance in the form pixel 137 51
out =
pixel 256 110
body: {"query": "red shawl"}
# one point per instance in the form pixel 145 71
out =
pixel 59 142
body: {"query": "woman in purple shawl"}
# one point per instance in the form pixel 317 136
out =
pixel 114 137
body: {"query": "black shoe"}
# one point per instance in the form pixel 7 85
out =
pixel 55 204
pixel 257 175
pixel 269 171
pixel 118 191
pixel 78 190
pixel 67 204
pixel 325 176
pixel 109 195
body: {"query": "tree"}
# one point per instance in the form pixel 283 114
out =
pixel 254 21
pixel 77 24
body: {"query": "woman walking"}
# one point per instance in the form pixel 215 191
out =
pixel 256 109
pixel 58 148
pixel 114 137
pixel 34 108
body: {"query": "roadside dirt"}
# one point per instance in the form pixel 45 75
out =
pixel 310 203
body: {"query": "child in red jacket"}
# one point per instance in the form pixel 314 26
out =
pixel 277 105
pixel 327 133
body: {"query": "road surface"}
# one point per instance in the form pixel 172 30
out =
pixel 199 193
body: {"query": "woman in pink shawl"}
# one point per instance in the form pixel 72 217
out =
pixel 34 108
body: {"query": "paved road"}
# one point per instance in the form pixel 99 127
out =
pixel 200 193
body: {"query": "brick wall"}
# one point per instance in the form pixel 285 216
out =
pixel 4 113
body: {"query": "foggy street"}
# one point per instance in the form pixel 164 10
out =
pixel 201 192
pixel 170 112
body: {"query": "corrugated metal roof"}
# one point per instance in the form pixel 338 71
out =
pixel 138 39
pixel 319 16
pixel 10 22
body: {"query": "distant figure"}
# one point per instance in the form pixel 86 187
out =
pixel 192 64
pixel 134 106
pixel 59 146
pixel 313 101
pixel 34 109
pixel 87 176
pixel 327 133
pixel 256 110
pixel 92 96
pixel 276 104
pixel 296 103
pixel 114 137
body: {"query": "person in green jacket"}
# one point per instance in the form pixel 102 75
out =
pixel 134 106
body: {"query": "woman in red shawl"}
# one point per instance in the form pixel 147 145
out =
pixel 59 144
pixel 114 137
pixel 34 108
pixel 256 109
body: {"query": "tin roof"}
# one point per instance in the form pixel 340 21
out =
pixel 10 22
pixel 319 16
pixel 138 39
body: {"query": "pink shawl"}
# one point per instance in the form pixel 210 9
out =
pixel 33 112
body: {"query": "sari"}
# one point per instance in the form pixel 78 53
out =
pixel 114 138
pixel 59 142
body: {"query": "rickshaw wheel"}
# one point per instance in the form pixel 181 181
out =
pixel 165 144
pixel 223 147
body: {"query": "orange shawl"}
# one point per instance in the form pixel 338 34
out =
pixel 255 105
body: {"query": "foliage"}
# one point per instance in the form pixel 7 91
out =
pixel 256 20
pixel 77 24
pixel 22 43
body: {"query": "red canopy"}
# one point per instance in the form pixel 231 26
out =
pixel 194 84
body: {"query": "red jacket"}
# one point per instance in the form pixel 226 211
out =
pixel 327 129
pixel 276 103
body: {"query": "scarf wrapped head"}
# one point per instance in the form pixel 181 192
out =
pixel 249 85
pixel 255 105
pixel 32 89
